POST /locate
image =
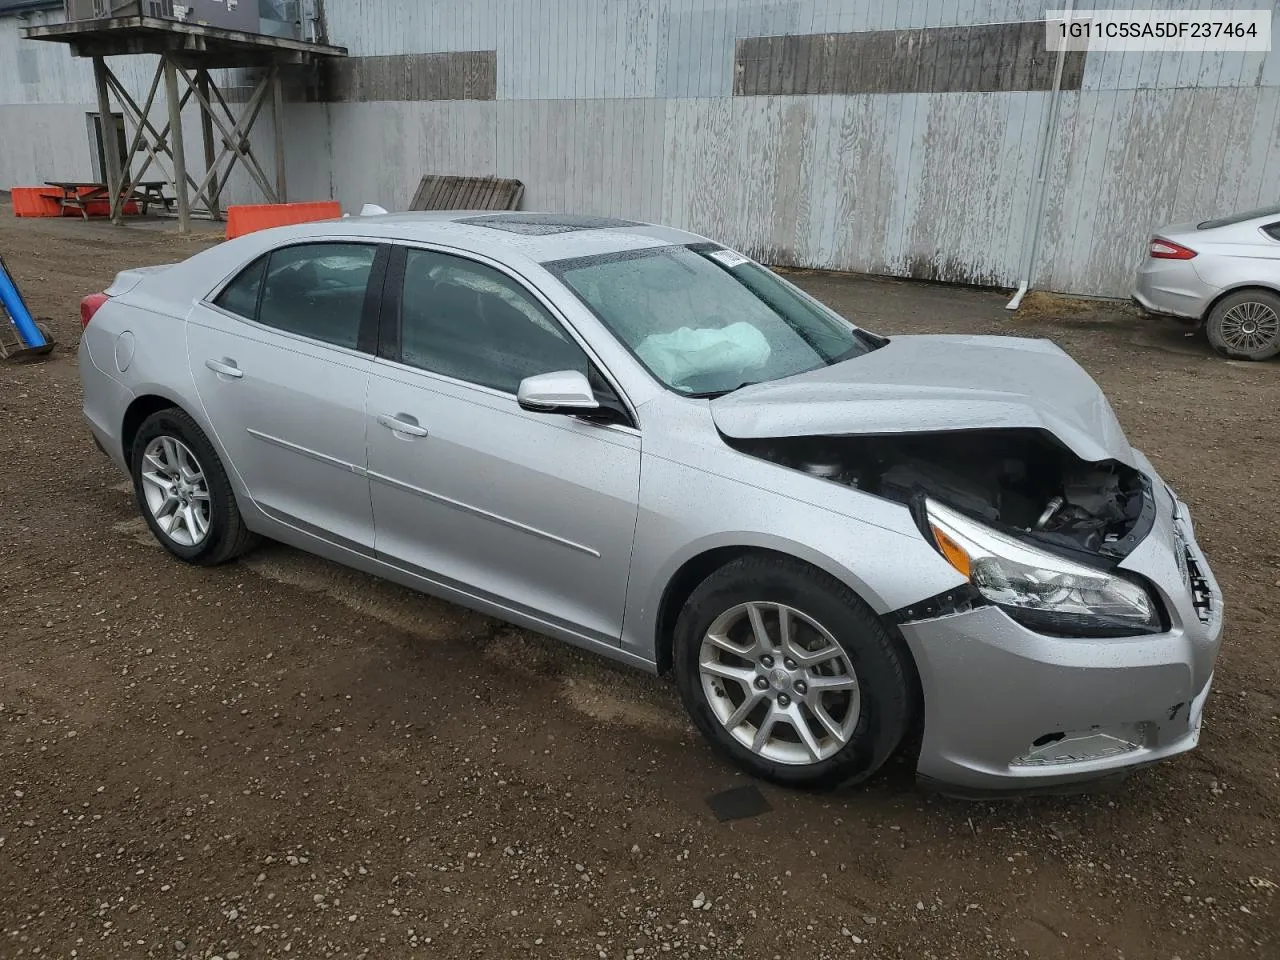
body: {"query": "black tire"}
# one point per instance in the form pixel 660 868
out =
pixel 1245 325
pixel 885 673
pixel 227 537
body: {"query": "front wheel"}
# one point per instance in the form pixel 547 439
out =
pixel 183 491
pixel 788 673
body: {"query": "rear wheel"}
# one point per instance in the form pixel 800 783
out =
pixel 1245 325
pixel 183 491
pixel 788 673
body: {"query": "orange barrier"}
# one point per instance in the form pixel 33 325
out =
pixel 248 218
pixel 34 202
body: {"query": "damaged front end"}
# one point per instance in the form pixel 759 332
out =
pixel 1020 481
pixel 1035 530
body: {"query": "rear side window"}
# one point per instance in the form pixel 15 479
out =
pixel 314 290
pixel 240 296
pixel 1272 230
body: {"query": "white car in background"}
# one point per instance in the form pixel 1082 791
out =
pixel 1223 273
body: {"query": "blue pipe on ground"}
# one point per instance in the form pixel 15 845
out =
pixel 17 309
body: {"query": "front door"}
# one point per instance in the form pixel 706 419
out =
pixel 534 511
pixel 277 364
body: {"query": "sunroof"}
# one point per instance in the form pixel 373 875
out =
pixel 545 224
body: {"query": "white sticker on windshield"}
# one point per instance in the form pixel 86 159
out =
pixel 729 258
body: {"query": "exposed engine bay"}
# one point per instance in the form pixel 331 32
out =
pixel 1022 481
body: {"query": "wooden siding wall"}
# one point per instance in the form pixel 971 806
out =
pixel 984 58
pixel 628 108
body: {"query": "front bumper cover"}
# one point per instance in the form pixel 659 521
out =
pixel 992 688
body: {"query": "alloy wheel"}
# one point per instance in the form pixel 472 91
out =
pixel 1250 326
pixel 779 683
pixel 176 492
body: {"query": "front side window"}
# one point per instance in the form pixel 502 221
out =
pixel 706 321
pixel 466 320
pixel 314 290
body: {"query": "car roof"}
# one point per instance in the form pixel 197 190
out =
pixel 541 237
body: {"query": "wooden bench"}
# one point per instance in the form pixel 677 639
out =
pixel 439 192
pixel 80 196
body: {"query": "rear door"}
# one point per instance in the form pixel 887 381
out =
pixel 281 360
pixel 534 511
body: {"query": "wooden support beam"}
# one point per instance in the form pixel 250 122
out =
pixel 177 150
pixel 244 125
pixel 206 132
pixel 107 129
pixel 241 126
pixel 161 136
pixel 139 132
pixel 238 137
pixel 277 120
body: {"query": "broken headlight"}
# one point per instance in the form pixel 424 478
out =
pixel 1039 589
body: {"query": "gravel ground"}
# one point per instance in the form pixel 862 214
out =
pixel 281 758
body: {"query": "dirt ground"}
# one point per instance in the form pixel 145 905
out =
pixel 280 758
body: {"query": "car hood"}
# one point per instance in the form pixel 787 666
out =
pixel 922 384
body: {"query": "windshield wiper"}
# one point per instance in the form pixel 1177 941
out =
pixel 713 394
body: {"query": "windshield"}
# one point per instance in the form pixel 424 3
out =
pixel 705 321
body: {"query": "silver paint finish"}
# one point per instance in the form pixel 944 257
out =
pixel 124 351
pixel 922 383
pixel 1227 258
pixel 1047 685
pixel 536 508
pixel 576 529
pixel 290 418
pixel 563 389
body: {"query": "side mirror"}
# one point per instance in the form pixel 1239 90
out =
pixel 564 391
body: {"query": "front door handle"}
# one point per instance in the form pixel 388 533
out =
pixel 402 423
pixel 225 368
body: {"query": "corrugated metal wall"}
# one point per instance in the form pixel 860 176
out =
pixel 628 107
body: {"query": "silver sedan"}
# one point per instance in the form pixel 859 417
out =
pixel 643 443
pixel 1222 273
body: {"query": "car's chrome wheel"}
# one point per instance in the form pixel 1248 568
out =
pixel 779 683
pixel 1245 325
pixel 184 492
pixel 1250 326
pixel 176 492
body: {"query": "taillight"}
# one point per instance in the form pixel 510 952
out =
pixel 1168 250
pixel 89 306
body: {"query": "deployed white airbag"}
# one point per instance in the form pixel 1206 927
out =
pixel 682 353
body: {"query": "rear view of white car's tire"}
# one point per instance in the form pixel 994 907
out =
pixel 1245 325
pixel 183 491
pixel 791 675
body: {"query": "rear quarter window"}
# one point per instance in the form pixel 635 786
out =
pixel 1272 230
pixel 240 296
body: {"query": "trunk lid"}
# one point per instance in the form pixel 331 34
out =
pixel 126 280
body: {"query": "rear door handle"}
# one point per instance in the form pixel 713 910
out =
pixel 402 423
pixel 225 368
